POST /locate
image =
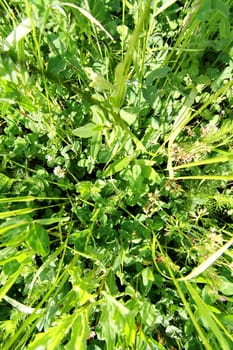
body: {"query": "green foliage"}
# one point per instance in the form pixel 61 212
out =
pixel 116 175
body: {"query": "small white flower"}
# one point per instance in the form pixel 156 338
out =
pixel 59 171
pixel 208 129
pixel 48 157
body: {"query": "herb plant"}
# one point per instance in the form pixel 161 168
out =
pixel 116 175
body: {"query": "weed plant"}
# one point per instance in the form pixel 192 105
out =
pixel 116 175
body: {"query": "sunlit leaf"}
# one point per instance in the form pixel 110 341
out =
pixel 38 239
pixel 88 130
pixel 117 166
pixel 17 34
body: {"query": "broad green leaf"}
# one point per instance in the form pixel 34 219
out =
pixel 17 34
pixel 129 114
pixel 117 166
pixel 224 285
pixel 38 239
pixel 228 320
pixel 213 309
pixel 157 74
pixel 20 258
pixel 56 65
pixel 11 266
pixel 83 295
pixel 98 116
pixel 148 170
pixel 147 276
pixel 88 130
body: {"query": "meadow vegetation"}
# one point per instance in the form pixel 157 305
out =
pixel 116 174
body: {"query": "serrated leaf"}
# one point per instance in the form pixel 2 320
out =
pixel 51 339
pixel 80 332
pixel 108 329
pixel 38 239
pixel 117 319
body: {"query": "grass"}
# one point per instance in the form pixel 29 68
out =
pixel 116 175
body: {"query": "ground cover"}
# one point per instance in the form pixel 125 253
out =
pixel 116 175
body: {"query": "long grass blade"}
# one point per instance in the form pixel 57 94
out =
pixel 17 34
pixel 89 16
pixel 213 160
pixel 206 177
pixel 208 262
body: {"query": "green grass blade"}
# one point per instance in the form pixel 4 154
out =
pixel 89 16
pixel 28 199
pixel 180 292
pixel 19 306
pixel 205 313
pixel 222 159
pixel 208 262
pixel 6 228
pixel 10 281
pixel 162 8
pixel 17 34
pixel 206 177
pixel 122 69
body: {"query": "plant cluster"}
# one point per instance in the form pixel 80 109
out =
pixel 116 175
